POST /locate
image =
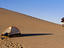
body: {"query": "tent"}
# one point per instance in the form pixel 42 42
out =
pixel 11 30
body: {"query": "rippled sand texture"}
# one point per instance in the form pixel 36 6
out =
pixel 9 43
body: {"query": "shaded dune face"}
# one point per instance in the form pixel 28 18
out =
pixel 30 26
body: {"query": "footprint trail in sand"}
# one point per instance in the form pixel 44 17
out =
pixel 8 43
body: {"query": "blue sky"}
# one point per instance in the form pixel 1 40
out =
pixel 50 10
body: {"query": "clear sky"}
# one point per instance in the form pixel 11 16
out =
pixel 50 10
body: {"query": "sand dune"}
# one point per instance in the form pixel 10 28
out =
pixel 10 43
pixel 31 25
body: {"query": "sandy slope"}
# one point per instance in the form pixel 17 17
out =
pixel 32 25
pixel 10 43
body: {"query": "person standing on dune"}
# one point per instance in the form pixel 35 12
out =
pixel 62 20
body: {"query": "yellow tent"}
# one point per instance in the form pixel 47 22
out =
pixel 11 30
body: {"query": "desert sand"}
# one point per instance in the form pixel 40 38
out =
pixel 30 25
pixel 10 43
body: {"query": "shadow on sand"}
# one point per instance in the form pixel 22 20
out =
pixel 25 35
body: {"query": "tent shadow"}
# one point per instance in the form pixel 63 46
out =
pixel 26 35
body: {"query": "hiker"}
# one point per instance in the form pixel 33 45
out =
pixel 62 20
